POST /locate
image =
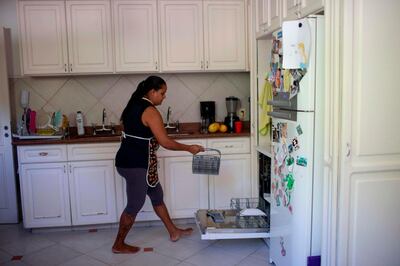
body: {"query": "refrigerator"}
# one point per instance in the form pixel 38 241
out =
pixel 297 153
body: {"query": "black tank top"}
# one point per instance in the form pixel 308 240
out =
pixel 134 152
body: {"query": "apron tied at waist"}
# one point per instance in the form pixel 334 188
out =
pixel 152 173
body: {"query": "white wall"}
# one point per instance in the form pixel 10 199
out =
pixel 8 19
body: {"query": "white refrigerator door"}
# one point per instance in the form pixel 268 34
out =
pixel 291 190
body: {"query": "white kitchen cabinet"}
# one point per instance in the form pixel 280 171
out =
pixel 187 192
pixel 271 13
pixel 92 192
pixel 89 36
pixel 45 194
pixel 268 16
pixel 67 184
pixel 224 35
pixel 43 37
pixel 181 35
pixel 294 9
pixel 187 45
pixel 146 213
pixel 136 35
pixel 60 37
pixel 233 181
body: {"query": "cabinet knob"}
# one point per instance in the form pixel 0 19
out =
pixel 43 153
pixel 65 68
pixel 5 127
pixel 6 135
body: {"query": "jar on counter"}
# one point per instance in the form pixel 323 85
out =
pixel 79 123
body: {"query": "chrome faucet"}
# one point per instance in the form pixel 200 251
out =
pixel 104 116
pixel 168 117
pixel 103 125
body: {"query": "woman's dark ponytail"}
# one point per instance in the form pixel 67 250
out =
pixel 152 82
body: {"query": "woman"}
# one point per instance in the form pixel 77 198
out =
pixel 136 159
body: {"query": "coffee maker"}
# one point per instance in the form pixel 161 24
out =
pixel 207 113
pixel 231 107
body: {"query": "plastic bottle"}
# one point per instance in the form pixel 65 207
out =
pixel 79 123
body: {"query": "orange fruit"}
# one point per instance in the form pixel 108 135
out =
pixel 212 128
pixel 223 128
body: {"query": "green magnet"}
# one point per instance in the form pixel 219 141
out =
pixel 301 161
pixel 289 161
pixel 289 179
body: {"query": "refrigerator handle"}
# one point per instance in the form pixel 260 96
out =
pixel 280 103
pixel 280 115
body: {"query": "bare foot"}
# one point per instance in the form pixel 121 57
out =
pixel 180 232
pixel 125 249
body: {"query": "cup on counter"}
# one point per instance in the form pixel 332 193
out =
pixel 238 126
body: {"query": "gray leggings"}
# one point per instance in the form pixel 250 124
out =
pixel 137 188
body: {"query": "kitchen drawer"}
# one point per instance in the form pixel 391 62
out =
pixel 230 145
pixel 82 152
pixel 42 154
pixel 162 152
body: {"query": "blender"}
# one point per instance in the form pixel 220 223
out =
pixel 231 107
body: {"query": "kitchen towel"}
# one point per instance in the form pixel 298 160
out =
pixel 264 118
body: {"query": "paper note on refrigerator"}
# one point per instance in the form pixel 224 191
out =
pixel 296 42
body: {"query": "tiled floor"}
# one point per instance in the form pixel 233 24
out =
pixel 84 248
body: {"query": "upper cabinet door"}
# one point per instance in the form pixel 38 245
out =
pixel 136 38
pixel 181 35
pixel 224 35
pixel 89 35
pixel 43 37
pixel 290 9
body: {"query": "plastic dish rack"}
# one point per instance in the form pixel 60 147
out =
pixel 207 163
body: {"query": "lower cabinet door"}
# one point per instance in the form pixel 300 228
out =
pixel 45 195
pixel 146 213
pixel 233 181
pixel 92 192
pixel 187 192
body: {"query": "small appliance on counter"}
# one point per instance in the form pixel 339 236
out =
pixel 231 107
pixel 207 113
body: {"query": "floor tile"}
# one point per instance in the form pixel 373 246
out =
pixel 15 263
pixel 253 261
pixel 240 247
pixel 83 261
pixel 184 263
pixel 105 255
pixel 214 256
pixel 4 256
pixel 26 245
pixel 150 259
pixel 53 255
pixel 181 249
pixel 81 248
pixel 262 253
pixel 85 242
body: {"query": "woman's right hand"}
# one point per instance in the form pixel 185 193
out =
pixel 194 149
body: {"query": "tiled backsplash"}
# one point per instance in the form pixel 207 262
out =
pixel 90 94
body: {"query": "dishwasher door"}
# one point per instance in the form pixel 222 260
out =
pixel 229 224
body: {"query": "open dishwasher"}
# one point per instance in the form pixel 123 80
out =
pixel 246 218
pixel 243 220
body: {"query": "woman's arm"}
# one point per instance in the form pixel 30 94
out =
pixel 151 117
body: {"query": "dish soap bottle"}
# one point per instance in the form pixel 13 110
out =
pixel 79 123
